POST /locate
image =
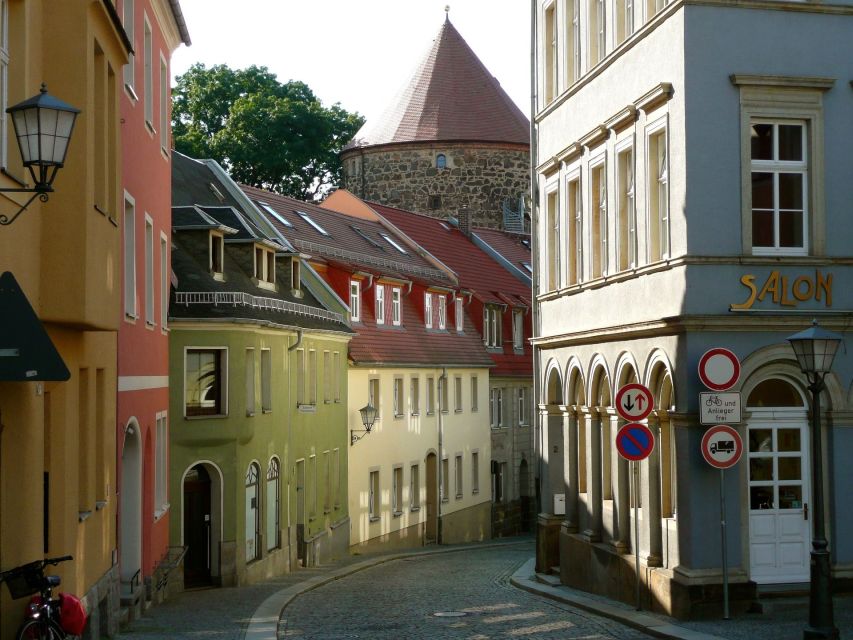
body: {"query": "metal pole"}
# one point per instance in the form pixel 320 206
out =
pixel 723 535
pixel 637 529
pixel 821 624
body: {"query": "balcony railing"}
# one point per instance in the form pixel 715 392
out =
pixel 238 298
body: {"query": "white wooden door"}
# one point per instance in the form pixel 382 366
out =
pixel 779 496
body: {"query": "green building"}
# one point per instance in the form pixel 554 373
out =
pixel 258 370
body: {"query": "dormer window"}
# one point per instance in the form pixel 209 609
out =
pixel 295 274
pixel 442 312
pixel 217 255
pixel 518 329
pixel 264 267
pixel 460 316
pixel 492 325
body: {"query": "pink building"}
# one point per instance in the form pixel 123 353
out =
pixel 155 29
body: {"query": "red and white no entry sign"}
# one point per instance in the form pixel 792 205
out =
pixel 634 402
pixel 719 369
pixel 722 446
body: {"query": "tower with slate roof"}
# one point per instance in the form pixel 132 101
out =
pixel 451 140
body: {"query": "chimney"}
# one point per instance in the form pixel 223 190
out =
pixel 464 217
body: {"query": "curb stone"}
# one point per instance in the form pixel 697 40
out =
pixel 525 578
pixel 264 622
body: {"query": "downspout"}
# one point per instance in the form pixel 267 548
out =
pixel 442 379
pixel 534 241
pixel 288 452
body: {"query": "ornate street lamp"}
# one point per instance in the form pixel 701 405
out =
pixel 815 350
pixel 368 417
pixel 43 128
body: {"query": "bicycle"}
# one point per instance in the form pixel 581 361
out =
pixel 47 618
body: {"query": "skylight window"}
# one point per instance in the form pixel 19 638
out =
pixel 446 228
pixel 216 192
pixel 308 219
pixel 527 266
pixel 275 214
pixel 391 241
pixel 367 237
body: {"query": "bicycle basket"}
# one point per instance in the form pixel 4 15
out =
pixel 23 584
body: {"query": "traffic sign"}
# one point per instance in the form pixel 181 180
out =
pixel 719 408
pixel 722 446
pixel 635 441
pixel 719 369
pixel 634 402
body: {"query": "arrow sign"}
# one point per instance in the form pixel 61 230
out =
pixel 635 441
pixel 634 402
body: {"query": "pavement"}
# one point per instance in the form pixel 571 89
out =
pixel 235 613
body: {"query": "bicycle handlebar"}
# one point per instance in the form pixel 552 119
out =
pixel 36 565
pixel 56 561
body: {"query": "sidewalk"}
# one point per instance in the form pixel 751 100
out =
pixel 783 617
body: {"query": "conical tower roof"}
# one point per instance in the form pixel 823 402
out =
pixel 451 97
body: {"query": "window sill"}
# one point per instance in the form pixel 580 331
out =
pixel 130 317
pixel 457 411
pixel 206 416
pixel 250 414
pixel 398 416
pixel 265 411
pixel 100 504
pixel 307 408
pixel 218 276
pixel 150 325
pixel 458 496
pixel 475 492
pixel 165 152
pixel 268 286
pixel 396 514
pixel 150 126
pixel 159 513
pixel 374 518
pixel 415 414
pixel 82 516
pixel 414 509
pixel 445 500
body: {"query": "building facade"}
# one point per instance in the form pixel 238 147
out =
pixel 421 474
pixel 452 139
pixel 57 455
pixel 257 462
pixel 155 28
pixel 690 196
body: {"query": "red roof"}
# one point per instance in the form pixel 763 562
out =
pixel 478 272
pixel 451 97
pixel 514 247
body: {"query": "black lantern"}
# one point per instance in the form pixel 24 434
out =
pixel 815 350
pixel 43 127
pixel 368 417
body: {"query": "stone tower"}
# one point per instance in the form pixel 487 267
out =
pixel 452 139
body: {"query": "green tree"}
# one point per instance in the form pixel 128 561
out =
pixel 267 134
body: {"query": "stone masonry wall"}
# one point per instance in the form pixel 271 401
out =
pixel 478 176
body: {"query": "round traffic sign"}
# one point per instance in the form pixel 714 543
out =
pixel 634 402
pixel 635 441
pixel 719 369
pixel 722 446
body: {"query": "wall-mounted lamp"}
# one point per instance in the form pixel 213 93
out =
pixel 43 127
pixel 368 417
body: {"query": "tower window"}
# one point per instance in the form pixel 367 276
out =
pixel 441 161
pixel 434 202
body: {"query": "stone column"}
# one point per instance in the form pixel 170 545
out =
pixel 623 498
pixel 544 484
pixel 593 532
pixel 570 470
pixel 653 506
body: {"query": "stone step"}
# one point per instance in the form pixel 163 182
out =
pixel 550 580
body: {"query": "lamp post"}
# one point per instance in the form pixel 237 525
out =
pixel 368 417
pixel 43 128
pixel 815 350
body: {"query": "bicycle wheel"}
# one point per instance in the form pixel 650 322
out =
pixel 39 630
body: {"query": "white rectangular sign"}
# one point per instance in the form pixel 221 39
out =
pixel 719 408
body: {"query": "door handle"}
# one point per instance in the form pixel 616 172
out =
pixel 805 511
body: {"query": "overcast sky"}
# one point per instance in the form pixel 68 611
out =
pixel 358 53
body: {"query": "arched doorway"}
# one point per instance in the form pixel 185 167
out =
pixel 431 533
pixel 199 532
pixel 553 483
pixel 131 509
pixel 778 487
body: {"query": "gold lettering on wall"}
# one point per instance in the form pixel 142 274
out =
pixel 785 292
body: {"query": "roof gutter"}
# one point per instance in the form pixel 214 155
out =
pixel 180 21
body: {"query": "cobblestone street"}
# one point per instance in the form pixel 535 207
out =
pixel 455 595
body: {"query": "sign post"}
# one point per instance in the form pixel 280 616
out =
pixel 635 442
pixel 722 448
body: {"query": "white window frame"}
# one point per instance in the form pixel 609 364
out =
pixel 396 306
pixel 129 233
pixel 273 504
pixel 355 300
pixel 165 281
pixel 428 310
pixel 327 376
pixel 165 94
pixel 657 189
pixel 475 471
pixel 415 395
pixel 414 486
pixel 149 271
pixel 457 469
pixel 311 376
pixel 475 392
pixel 300 377
pixel 216 240
pixel 373 395
pixel 553 237
pixel 380 304
pixel 430 395
pixel 397 489
pixel 250 381
pixel 518 329
pixel 148 77
pixel 457 394
pixel 460 315
pixel 373 495
pixel 598 213
pixel 626 206
pixel 496 407
pixel 129 21
pixel 161 461
pixel 394 243
pixel 551 52
pixel 311 221
pixel 522 406
pixel 336 375
pixel 442 312
pixel 399 397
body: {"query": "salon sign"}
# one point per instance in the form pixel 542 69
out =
pixel 786 291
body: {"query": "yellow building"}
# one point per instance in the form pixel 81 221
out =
pixel 57 439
